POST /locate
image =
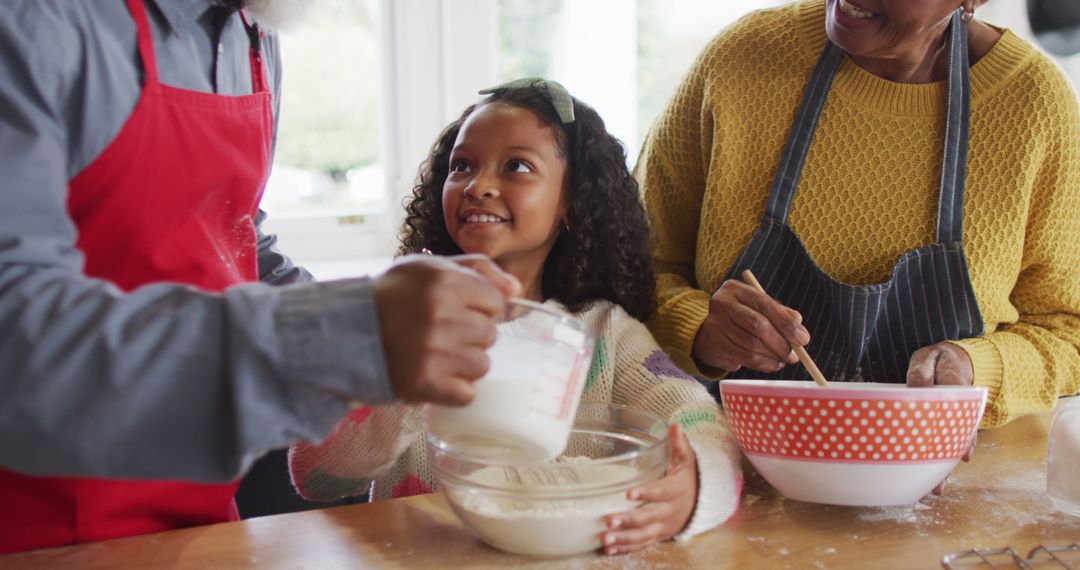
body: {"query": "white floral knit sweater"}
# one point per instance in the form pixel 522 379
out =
pixel 385 445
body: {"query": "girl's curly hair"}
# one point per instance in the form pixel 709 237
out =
pixel 604 254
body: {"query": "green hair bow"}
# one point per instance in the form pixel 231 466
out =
pixel 558 95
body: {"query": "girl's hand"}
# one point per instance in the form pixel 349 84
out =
pixel 748 328
pixel 943 363
pixel 668 503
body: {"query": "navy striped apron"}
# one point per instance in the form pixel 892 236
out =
pixel 869 332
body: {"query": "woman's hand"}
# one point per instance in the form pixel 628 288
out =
pixel 748 328
pixel 942 363
pixel 668 503
pixel 946 364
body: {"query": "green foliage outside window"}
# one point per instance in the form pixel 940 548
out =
pixel 334 53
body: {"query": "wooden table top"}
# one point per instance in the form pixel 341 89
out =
pixel 996 500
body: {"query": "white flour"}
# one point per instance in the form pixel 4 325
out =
pixel 1063 463
pixel 545 527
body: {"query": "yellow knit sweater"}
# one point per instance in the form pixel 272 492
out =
pixel 870 188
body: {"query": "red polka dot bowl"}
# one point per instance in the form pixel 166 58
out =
pixel 852 444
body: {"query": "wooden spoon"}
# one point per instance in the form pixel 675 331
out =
pixel 807 362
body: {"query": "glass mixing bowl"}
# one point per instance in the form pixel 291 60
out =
pixel 557 508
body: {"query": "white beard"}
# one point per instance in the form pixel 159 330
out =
pixel 278 14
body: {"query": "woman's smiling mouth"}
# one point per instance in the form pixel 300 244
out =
pixel 855 12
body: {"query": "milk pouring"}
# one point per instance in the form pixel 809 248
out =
pixel 525 405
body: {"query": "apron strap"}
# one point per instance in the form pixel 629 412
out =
pixel 802 133
pixel 950 216
pixel 145 39
pixel 950 223
pixel 259 83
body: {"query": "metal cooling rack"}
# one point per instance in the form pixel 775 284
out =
pixel 1040 557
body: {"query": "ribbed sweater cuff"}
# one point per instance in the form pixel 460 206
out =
pixel 719 488
pixel 676 325
pixel 988 368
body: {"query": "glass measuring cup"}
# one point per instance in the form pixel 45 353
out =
pixel 1063 457
pixel 525 404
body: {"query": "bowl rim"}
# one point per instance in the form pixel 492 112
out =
pixel 852 390
pixel 460 486
pixel 441 446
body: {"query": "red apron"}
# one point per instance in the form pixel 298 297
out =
pixel 172 199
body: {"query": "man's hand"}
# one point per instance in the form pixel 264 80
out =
pixel 437 317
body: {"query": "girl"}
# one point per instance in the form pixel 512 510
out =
pixel 531 178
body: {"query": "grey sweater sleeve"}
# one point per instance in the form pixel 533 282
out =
pixel 167 381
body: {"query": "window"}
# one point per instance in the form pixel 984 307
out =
pixel 327 194
pixel 369 84
pixel 642 46
pixel 327 158
pixel 401 69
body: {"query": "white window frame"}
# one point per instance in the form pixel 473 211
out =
pixel 435 54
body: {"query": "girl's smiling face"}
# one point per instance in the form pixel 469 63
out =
pixel 504 195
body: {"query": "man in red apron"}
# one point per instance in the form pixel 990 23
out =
pixel 145 351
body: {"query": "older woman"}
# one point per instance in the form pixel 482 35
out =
pixel 825 146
